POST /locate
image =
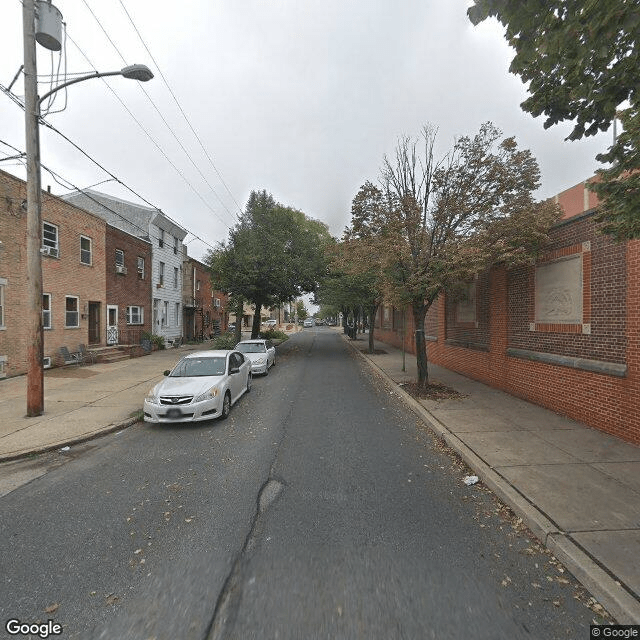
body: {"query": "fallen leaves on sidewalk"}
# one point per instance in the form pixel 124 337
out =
pixel 433 391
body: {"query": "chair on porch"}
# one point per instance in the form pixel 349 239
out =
pixel 87 356
pixel 70 358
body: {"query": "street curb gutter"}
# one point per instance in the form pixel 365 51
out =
pixel 608 591
pixel 85 437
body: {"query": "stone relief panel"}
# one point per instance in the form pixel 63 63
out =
pixel 559 291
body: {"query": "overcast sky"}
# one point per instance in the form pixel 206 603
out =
pixel 301 98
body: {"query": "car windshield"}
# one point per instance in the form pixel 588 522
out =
pixel 196 367
pixel 251 347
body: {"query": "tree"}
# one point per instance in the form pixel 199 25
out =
pixel 582 61
pixel 448 219
pixel 274 254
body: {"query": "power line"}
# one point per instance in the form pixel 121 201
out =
pixel 160 149
pixel 184 115
pixel 155 106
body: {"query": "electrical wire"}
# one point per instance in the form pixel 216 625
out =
pixel 164 120
pixel 150 137
pixel 184 115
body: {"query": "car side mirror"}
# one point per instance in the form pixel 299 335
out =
pixel 167 372
pixel 234 370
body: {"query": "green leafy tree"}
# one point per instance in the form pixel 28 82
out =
pixel 447 219
pixel 301 310
pixel 581 60
pixel 274 254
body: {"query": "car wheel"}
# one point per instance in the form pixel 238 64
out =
pixel 249 382
pixel 226 405
pixel 273 364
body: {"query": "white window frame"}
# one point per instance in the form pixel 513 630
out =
pixel 90 250
pixel 175 277
pixel 165 313
pixel 175 245
pixel 3 306
pixel 47 312
pixel 52 245
pixel 67 312
pixel 141 267
pixel 140 315
pixel 161 239
pixel 119 262
pixel 177 314
pixel 161 274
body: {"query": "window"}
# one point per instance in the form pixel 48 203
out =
pixel 85 250
pixel 175 245
pixel 161 239
pixel 46 311
pixel 3 365
pixel 3 284
pixel 165 316
pixel 72 316
pixel 216 303
pixel 135 315
pixel 140 268
pixel 161 275
pixel 175 277
pixel 197 285
pixel 177 314
pixel 119 258
pixel 50 240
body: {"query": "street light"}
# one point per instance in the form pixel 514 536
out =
pixel 35 348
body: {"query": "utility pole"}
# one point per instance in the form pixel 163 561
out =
pixel 35 348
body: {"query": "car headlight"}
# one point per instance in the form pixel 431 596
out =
pixel 259 360
pixel 207 395
pixel 152 398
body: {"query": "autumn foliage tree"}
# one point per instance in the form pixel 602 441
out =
pixel 446 219
pixel 581 62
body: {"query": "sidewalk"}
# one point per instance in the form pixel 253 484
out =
pixel 577 489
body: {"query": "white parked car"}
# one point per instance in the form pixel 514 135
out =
pixel 202 386
pixel 270 323
pixel 261 352
pixel 308 322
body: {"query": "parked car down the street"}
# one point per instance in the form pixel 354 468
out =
pixel 261 352
pixel 202 386
pixel 308 322
pixel 271 322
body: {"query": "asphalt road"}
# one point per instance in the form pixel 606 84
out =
pixel 322 508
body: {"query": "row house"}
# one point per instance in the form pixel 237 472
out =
pixel 162 311
pixel 205 310
pixel 73 276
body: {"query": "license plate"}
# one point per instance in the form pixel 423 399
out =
pixel 174 413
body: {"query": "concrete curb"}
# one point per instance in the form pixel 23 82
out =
pixel 85 437
pixel 606 589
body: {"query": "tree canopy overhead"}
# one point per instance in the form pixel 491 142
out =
pixel 581 59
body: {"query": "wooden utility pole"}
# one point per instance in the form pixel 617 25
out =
pixel 35 348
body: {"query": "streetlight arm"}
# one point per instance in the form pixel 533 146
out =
pixel 134 72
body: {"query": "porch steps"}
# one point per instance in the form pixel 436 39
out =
pixel 110 354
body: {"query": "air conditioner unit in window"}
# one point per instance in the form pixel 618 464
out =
pixel 49 251
pixel 46 362
pixel 120 268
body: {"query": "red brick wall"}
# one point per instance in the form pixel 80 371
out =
pixel 125 290
pixel 61 276
pixel 606 402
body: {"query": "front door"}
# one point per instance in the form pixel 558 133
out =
pixel 112 324
pixel 94 323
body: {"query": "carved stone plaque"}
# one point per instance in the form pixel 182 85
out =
pixel 559 291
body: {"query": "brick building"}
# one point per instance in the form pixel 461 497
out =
pixel 564 333
pixel 128 284
pixel 73 276
pixel 165 236
pixel 205 310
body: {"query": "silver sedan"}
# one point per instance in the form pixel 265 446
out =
pixel 202 386
pixel 261 352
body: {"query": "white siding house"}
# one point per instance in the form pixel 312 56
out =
pixel 166 239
